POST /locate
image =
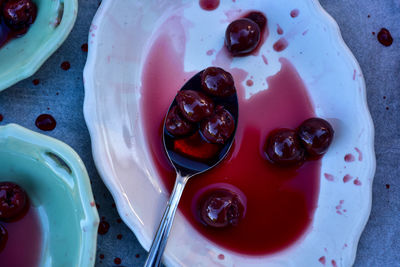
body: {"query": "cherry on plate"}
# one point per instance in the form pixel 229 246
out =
pixel 19 14
pixel 242 36
pixel 194 106
pixel 217 82
pixel 176 124
pixel 13 201
pixel 219 127
pixel 316 135
pixel 283 148
pixel 3 235
pixel 221 208
pixel 258 18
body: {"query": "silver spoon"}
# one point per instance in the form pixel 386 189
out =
pixel 185 169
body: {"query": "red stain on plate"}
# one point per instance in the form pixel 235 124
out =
pixel 281 45
pixel 322 260
pixel 360 155
pixel 221 257
pixel 334 263
pixel 329 177
pixel 357 182
pixel 279 30
pixel 210 52
pixel 349 158
pixel 294 13
pixel 347 178
pixel 265 59
pixel 209 4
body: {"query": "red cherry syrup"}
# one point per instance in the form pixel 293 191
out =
pixel 24 244
pixel 280 201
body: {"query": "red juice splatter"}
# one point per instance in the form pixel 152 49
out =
pixel 347 178
pixel 65 65
pixel 329 177
pixel 349 158
pixel 384 37
pixel 1 117
pixel 209 4
pixel 294 13
pixel 36 82
pixel 103 227
pixel 84 47
pixel 279 30
pixel 117 261
pixel 45 122
pixel 322 260
pixel 360 156
pixel 280 45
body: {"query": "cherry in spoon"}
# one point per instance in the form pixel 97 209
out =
pixel 208 120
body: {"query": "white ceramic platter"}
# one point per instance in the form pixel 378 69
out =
pixel 119 39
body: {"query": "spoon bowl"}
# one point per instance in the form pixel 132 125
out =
pixel 186 167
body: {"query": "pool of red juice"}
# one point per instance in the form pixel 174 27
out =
pixel 280 201
pixel 24 244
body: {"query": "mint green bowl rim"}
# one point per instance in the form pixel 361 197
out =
pixel 41 55
pixel 90 222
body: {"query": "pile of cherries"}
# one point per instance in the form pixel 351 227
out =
pixel 16 16
pixel 289 147
pixel 14 204
pixel 195 111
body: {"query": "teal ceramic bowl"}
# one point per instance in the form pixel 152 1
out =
pixel 57 183
pixel 22 57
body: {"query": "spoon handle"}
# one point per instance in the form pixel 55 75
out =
pixel 161 237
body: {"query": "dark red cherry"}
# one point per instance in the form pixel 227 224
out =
pixel 217 82
pixel 3 237
pixel 194 105
pixel 176 124
pixel 219 127
pixel 316 135
pixel 19 14
pixel 13 200
pixel 242 36
pixel 283 148
pixel 221 208
pixel 258 18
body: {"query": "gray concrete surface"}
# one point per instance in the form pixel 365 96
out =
pixel 61 93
